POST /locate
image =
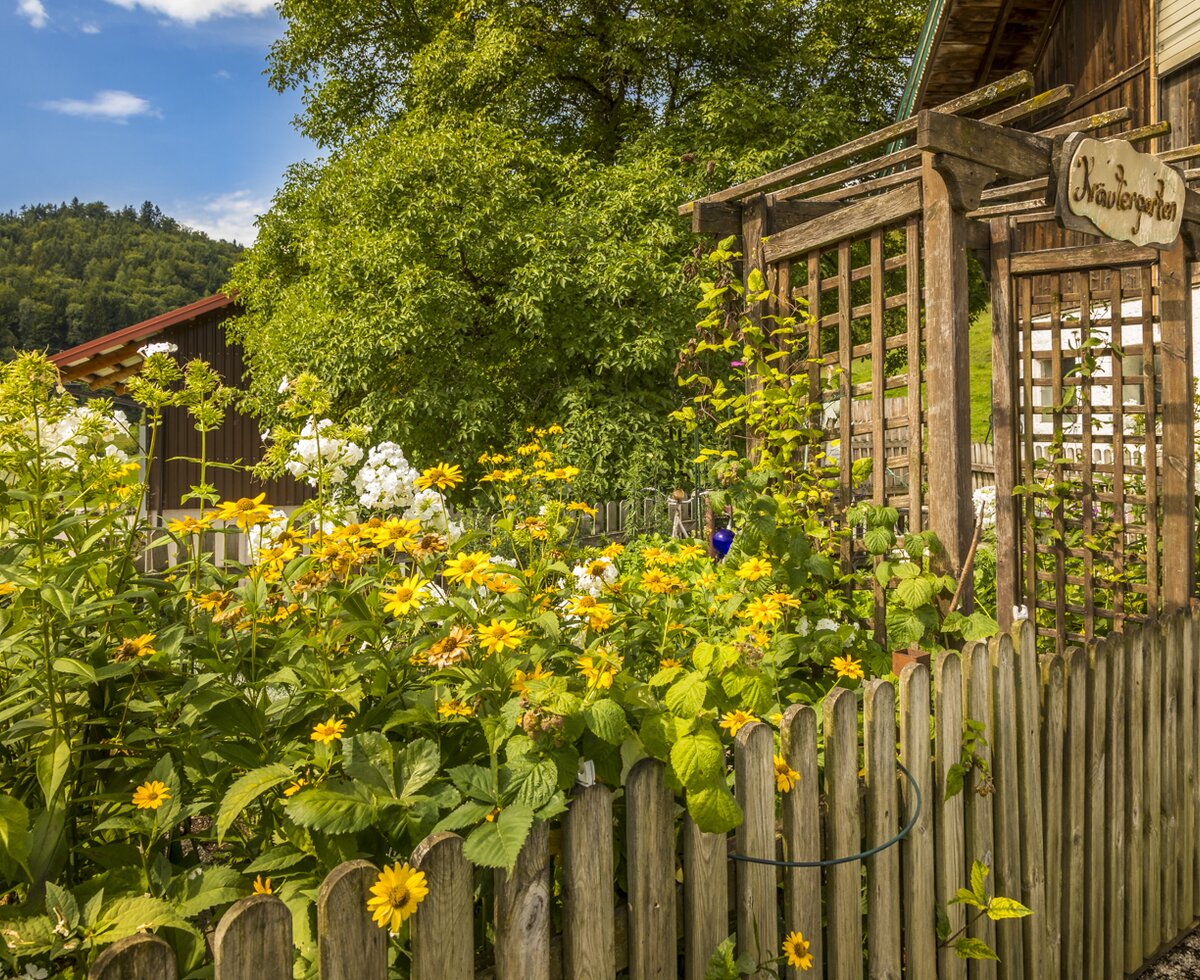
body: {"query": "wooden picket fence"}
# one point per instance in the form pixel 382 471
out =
pixel 1089 816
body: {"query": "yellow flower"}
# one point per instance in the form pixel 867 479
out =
pixel 450 649
pixel 762 612
pixel 187 525
pixel 554 430
pixel 211 602
pixel 579 507
pixel 566 473
pixel 246 512
pixel 500 635
pixel 535 527
pixel 706 580
pixel 7 588
pixel 657 556
pixel 469 569
pixel 599 671
pixel 658 581
pixel 613 550
pixel 785 775
pixel 295 788
pixel 395 532
pixel 734 721
pixel 495 476
pixel 443 476
pixel 752 569
pixel 598 615
pixel 796 949
pixel 397 892
pixel 690 551
pixel 328 731
pixel 501 584
pixel 151 795
pixel 521 679
pixel 406 597
pixel 847 667
pixel 453 708
pixel 668 662
pixel 262 887
pixel 136 646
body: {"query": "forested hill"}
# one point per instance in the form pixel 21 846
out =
pixel 75 271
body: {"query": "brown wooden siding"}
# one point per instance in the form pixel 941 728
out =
pixel 1180 102
pixel 237 439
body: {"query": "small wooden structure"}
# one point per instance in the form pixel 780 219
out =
pixel 872 239
pixel 198 331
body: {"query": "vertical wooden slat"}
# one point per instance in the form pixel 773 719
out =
pixel 253 941
pixel 448 911
pixel 916 431
pixel 1150 468
pixel 1187 773
pixel 1117 335
pixel 1028 539
pixel 883 870
pixel 843 836
pixel 137 957
pixel 587 850
pixel 845 351
pixel 1058 519
pixel 1095 820
pixel 1178 438
pixel 1074 813
pixel 523 911
pixel 802 833
pixel 1087 487
pixel 1006 810
pixel 705 896
pixel 1054 711
pixel 949 840
pixel 1115 890
pixel 1191 634
pixel 977 706
pixel 917 850
pixel 1135 791
pixel 878 409
pixel 650 857
pixel 1171 766
pixel 754 776
pixel 1004 423
pixel 350 945
pixel 815 350
pixel 1029 791
pixel 1152 806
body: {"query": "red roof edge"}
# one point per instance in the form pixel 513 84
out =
pixel 75 356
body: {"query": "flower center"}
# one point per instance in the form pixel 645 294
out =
pixel 398 895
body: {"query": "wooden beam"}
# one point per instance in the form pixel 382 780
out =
pixel 1101 119
pixel 788 214
pixel 1003 88
pixel 94 364
pixel 1004 427
pixel 720 220
pixel 1030 107
pixel 1109 84
pixel 1183 153
pixel 854 219
pixel 1005 150
pixel 1178 440
pixel 989 54
pixel 1110 255
pixel 108 380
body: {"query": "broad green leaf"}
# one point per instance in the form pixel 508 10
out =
pixel 970 948
pixel 686 696
pixel 334 808
pixel 14 833
pixel 419 762
pixel 1006 908
pixel 367 757
pixel 954 780
pixel 140 913
pixel 606 719
pixel 914 592
pixel 714 809
pixel 699 759
pixel 215 886
pixel 466 815
pixel 878 540
pixel 943 924
pixel 537 783
pixel 246 790
pixel 496 843
pixel 76 668
pixel 53 763
pixel 61 906
pixel 979 873
pixel 964 896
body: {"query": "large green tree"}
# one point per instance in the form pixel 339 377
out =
pixel 492 238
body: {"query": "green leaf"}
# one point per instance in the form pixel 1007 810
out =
pixel 979 626
pixel 686 696
pixel 367 757
pixel 14 835
pixel 970 948
pixel 77 668
pixel 1006 908
pixel 497 843
pixel 139 913
pixel 334 808
pixel 979 873
pixel 915 592
pixel 537 783
pixel 878 540
pixel 714 809
pixel 606 719
pixel 246 790
pixel 466 815
pixel 215 886
pixel 53 762
pixel 61 906
pixel 943 924
pixel 419 762
pixel 699 759
pixel 954 780
pixel 964 896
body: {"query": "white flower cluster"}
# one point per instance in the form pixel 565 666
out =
pixel 985 505
pixel 593 584
pixel 85 432
pixel 386 479
pixel 149 350
pixel 317 450
pixel 266 535
pixel 429 508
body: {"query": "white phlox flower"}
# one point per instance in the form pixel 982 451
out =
pixel 318 450
pixel 386 480
pixel 164 347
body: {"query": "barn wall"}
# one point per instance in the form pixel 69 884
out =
pixel 1181 106
pixel 238 438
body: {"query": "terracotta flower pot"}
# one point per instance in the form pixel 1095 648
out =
pixel 902 658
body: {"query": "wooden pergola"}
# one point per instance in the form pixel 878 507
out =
pixel 874 236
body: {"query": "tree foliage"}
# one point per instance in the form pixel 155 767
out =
pixel 75 271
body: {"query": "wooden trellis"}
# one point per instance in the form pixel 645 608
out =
pixel 873 239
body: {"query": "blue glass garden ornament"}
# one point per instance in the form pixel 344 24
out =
pixel 722 540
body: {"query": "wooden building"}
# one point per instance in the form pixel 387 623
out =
pixel 198 331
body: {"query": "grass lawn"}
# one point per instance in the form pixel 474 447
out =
pixel 981 376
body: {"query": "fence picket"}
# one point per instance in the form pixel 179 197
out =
pixel 754 769
pixel 843 836
pixel 883 870
pixel 587 849
pixel 136 957
pixel 447 911
pixel 1135 792
pixel 949 840
pixel 1029 792
pixel 523 911
pixel 1170 769
pixel 1152 810
pixel 650 849
pixel 254 941
pixel 1115 893
pixel 1005 816
pixel 1074 843
pixel 1191 635
pixel 1095 822
pixel 1054 713
pixel 802 833
pixel 1187 774
pixel 977 706
pixel 350 946
pixel 705 896
pixel 916 851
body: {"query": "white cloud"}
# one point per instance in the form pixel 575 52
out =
pixel 226 216
pixel 112 105
pixel 34 11
pixel 195 11
pixel 90 28
pixel 222 74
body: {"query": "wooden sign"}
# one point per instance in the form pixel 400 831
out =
pixel 1109 188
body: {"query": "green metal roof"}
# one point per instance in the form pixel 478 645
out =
pixel 933 17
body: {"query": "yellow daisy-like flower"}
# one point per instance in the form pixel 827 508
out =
pixel 495 476
pixel 406 597
pixel 502 634
pixel 151 795
pixel 668 662
pixel 7 588
pixel 613 550
pixel 657 556
pixel 521 679
pixel 797 950
pixel 295 788
pixel 501 584
pixel 599 616
pixel 187 525
pixel 752 569
pixel 599 670
pixel 535 527
pixel 328 731
pixel 455 708
pixel 261 886
pixel 578 507
pixel 785 776
pixel 469 569
pixel 690 551
pixel 443 476
pixel 762 612
pixel 246 512
pixel 395 895
pixel 655 580
pixel 847 667
pixel 136 646
pixel 734 721
pixel 395 533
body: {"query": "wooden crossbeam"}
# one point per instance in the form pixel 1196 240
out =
pixel 1004 150
pixel 874 212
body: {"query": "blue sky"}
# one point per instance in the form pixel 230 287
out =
pixel 130 100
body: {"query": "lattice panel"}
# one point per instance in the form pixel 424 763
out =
pixel 1088 411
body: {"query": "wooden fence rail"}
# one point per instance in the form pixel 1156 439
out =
pixel 1086 812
